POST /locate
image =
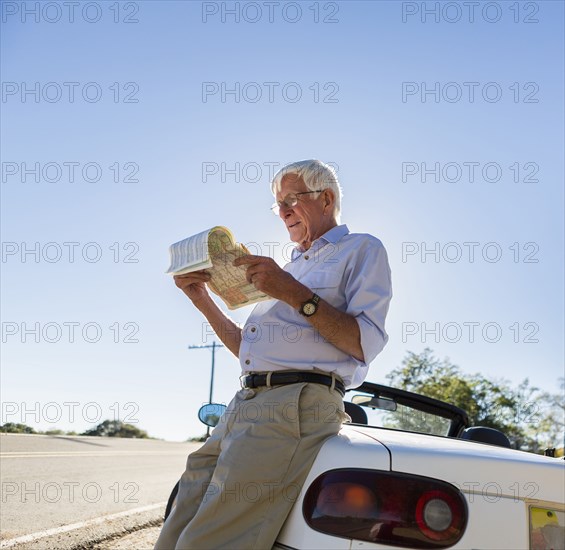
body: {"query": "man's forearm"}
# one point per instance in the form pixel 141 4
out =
pixel 226 329
pixel 337 327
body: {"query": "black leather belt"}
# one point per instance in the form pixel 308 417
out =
pixel 283 378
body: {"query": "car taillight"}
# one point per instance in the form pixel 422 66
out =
pixel 386 507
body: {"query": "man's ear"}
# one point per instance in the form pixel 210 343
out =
pixel 329 197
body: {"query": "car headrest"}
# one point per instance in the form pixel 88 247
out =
pixel 482 434
pixel 356 412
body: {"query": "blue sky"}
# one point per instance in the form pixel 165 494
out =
pixel 380 89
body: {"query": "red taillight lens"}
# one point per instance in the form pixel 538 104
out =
pixel 386 508
pixel 435 515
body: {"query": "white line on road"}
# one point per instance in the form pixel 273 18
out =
pixel 65 528
pixel 46 454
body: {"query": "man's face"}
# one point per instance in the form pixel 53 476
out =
pixel 306 220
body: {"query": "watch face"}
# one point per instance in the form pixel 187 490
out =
pixel 309 309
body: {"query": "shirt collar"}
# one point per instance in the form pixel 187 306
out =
pixel 332 236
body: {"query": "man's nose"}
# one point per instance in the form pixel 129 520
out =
pixel 285 211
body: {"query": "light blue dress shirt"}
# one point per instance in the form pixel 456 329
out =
pixel 350 271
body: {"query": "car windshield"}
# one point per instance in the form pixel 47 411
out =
pixel 387 407
pixel 408 419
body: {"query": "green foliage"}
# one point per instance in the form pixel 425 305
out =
pixel 108 428
pixel 116 428
pixel 533 420
pixel 12 428
pixel 198 439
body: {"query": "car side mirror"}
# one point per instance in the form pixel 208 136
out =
pixel 210 413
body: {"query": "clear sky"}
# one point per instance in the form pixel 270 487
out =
pixel 127 126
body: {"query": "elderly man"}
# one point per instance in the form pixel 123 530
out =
pixel 298 352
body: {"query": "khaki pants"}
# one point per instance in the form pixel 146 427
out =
pixel 239 487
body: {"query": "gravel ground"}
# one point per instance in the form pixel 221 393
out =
pixel 138 532
pixel 144 539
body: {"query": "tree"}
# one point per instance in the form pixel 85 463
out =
pixel 553 421
pixel 531 419
pixel 116 428
pixel 12 428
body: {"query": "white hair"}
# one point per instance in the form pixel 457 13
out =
pixel 316 175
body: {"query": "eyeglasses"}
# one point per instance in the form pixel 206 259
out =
pixel 290 200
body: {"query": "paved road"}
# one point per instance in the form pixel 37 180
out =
pixel 50 482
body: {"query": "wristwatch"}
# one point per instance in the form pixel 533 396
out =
pixel 309 307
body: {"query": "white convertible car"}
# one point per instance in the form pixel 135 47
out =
pixel 408 472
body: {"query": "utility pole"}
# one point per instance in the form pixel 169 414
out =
pixel 213 348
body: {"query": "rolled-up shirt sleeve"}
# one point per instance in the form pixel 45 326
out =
pixel 368 294
pixel 350 271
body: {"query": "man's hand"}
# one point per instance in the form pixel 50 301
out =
pixel 194 284
pixel 337 327
pixel 265 275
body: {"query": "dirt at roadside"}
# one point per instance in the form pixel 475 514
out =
pixel 140 540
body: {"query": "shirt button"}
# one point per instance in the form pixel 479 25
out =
pixel 306 257
pixel 247 361
pixel 253 329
